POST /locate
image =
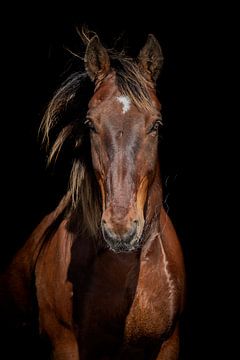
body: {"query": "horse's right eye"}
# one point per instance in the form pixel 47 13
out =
pixel 90 125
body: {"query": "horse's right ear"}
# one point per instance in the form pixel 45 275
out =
pixel 97 62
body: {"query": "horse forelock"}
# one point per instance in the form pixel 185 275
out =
pixel 131 82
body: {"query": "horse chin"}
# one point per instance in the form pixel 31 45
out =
pixel 120 246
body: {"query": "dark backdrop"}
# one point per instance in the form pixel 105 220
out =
pixel 35 62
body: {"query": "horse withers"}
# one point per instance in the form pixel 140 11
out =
pixel 102 276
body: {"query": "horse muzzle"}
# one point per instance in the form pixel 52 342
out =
pixel 121 233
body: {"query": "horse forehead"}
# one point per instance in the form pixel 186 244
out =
pixel 109 102
pixel 125 101
pixel 113 104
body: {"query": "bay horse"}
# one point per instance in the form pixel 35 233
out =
pixel 104 272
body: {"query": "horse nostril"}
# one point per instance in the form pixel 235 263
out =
pixel 135 222
pixel 104 222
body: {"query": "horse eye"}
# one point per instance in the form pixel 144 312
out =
pixel 90 125
pixel 155 126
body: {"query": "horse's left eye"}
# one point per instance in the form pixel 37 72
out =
pixel 155 126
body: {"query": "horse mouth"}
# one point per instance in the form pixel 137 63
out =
pixel 120 246
pixel 126 243
pixel 122 233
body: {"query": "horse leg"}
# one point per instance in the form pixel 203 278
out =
pixel 170 347
pixel 63 341
pixel 65 347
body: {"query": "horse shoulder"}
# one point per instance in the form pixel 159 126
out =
pixel 159 294
pixel 18 277
pixel 54 294
pixel 54 291
pixel 174 255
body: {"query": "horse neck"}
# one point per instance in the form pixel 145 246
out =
pixel 154 200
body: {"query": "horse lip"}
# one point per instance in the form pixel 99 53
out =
pixel 121 247
pixel 117 244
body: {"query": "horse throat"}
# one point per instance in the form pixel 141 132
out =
pixel 153 203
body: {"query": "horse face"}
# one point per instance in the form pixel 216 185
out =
pixel 124 137
pixel 124 154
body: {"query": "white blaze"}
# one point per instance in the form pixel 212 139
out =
pixel 126 103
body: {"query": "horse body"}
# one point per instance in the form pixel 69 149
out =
pixel 140 308
pixel 117 295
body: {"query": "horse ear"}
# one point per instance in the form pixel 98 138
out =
pixel 97 63
pixel 150 58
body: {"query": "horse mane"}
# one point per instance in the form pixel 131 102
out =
pixel 64 121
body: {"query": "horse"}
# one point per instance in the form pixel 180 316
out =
pixel 102 276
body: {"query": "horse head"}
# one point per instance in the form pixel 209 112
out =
pixel 123 118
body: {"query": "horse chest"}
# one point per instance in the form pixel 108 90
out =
pixel 156 300
pixel 106 302
pixel 121 305
pixel 154 307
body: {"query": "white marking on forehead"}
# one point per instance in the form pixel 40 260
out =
pixel 126 103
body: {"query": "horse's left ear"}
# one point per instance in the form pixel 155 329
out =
pixel 150 58
pixel 96 59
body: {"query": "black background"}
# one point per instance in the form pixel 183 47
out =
pixel 35 62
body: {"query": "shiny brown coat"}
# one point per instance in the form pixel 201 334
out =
pixel 117 290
